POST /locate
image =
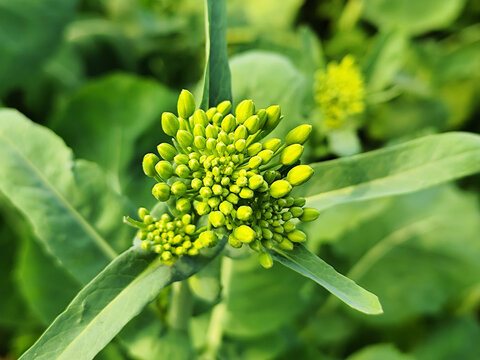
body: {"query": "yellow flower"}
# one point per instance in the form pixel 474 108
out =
pixel 340 91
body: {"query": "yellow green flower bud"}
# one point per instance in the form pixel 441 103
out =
pixel 148 164
pixel 255 181
pixel 255 162
pixel 252 124
pixel 246 193
pixel 166 151
pixel 254 149
pixel 272 144
pixel 270 176
pixel 200 142
pixel 244 233
pixel 211 132
pixel 297 236
pixel 226 207
pixel 299 202
pixel 299 174
pixel 298 135
pixel 183 205
pixel 267 233
pixel 228 123
pixel 273 117
pixel 193 164
pixel 265 259
pixel 288 226
pixel 309 214
pixel 208 238
pixel 286 244
pixel 266 155
pixel 170 124
pixel 255 245
pixel 291 154
pixel 240 145
pixel 216 218
pixel 232 198
pixel 185 104
pixel 200 118
pixel 199 130
pixel 234 242
pixel 182 171
pixel 240 132
pixel 280 188
pixel 244 212
pixel 164 169
pixel 224 107
pixel 161 191
pixel 203 208
pixel 196 184
pixel 262 116
pixel 178 188
pixel 142 212
pixel 244 110
pixel 296 211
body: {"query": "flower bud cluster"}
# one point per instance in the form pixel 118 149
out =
pixel 218 167
pixel 340 91
pixel 172 237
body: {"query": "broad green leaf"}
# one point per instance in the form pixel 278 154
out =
pixel 418 255
pixel 380 352
pixel 30 30
pixel 109 301
pixel 69 203
pixel 114 115
pixel 394 170
pixel 412 16
pixel 270 79
pixel 311 266
pixel 217 79
pixel 46 287
pixel 265 311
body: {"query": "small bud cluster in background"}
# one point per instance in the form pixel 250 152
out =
pixel 218 167
pixel 340 92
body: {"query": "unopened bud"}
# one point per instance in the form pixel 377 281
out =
pixel 224 107
pixel 225 207
pixel 185 104
pixel 244 233
pixel 170 124
pixel 183 205
pixel 291 154
pixel 266 155
pixel 255 181
pixel 244 212
pixel 273 117
pixel 161 191
pixel 299 174
pixel 200 118
pixel 164 169
pixel 309 214
pixel 254 149
pixel 211 132
pixel 228 123
pixel 280 188
pixel 265 259
pixel 234 242
pixel 252 124
pixel 216 218
pixel 240 132
pixel 272 144
pixel 297 236
pixel 208 238
pixel 200 142
pixel 166 151
pixel 148 164
pixel 298 135
pixel 244 110
pixel 286 244
pixel 178 188
pixel 255 162
pixel 198 130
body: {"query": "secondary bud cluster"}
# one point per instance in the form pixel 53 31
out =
pixel 171 237
pixel 218 167
pixel 340 91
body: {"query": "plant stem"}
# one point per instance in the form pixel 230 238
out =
pixel 181 306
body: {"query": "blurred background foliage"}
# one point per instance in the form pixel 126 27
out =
pixel 100 73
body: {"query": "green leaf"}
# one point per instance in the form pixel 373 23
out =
pixel 71 206
pixel 217 82
pixel 265 311
pixel 112 114
pixel 44 284
pixel 309 265
pixel 270 79
pixel 394 170
pixel 412 16
pixel 112 298
pixel 30 31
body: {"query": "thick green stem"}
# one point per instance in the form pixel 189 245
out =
pixel 181 306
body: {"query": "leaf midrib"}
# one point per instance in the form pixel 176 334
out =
pixel 103 245
pixel 391 176
pixel 150 268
